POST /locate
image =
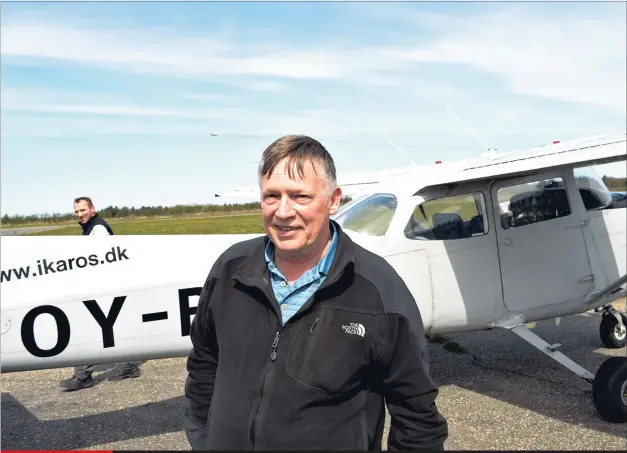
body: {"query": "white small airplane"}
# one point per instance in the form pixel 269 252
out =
pixel 494 243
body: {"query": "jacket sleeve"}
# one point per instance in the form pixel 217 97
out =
pixel 406 385
pixel 201 367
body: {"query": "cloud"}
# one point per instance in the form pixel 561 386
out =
pixel 107 110
pixel 70 106
pixel 574 58
pixel 209 97
pixel 267 85
pixel 180 56
pixel 57 113
pixel 385 87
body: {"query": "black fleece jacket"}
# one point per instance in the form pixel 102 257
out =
pixel 320 382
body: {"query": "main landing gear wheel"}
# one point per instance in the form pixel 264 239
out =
pixel 613 334
pixel 609 390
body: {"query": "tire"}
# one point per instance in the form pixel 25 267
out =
pixel 608 330
pixel 609 390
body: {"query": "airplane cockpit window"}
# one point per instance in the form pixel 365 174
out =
pixel 454 217
pixel 534 202
pixel 349 205
pixel 371 215
pixel 594 193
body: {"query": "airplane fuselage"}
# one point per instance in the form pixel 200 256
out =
pixel 473 250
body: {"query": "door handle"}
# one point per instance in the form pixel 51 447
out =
pixel 579 225
pixel 508 241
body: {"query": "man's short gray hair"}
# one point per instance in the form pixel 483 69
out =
pixel 298 149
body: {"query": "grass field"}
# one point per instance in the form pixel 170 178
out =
pixel 114 221
pixel 234 224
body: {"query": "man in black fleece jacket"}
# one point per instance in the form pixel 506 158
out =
pixel 302 337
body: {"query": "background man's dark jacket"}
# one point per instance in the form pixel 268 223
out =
pixel 319 382
pixel 91 223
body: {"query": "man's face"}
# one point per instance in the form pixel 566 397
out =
pixel 83 212
pixel 296 211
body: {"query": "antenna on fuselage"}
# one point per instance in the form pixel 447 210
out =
pixel 398 149
pixel 490 150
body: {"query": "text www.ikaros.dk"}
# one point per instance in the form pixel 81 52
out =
pixel 46 267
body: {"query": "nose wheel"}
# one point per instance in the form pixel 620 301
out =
pixel 613 328
pixel 609 390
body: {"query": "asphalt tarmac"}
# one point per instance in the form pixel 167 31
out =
pixel 497 392
pixel 26 230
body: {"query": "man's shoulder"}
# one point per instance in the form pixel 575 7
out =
pixel 243 248
pixel 237 252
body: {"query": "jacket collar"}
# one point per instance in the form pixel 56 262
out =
pixel 86 226
pixel 253 271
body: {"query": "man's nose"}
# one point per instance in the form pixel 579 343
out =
pixel 285 209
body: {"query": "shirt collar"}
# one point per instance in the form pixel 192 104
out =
pixel 323 265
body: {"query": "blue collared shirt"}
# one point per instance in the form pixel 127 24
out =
pixel 292 297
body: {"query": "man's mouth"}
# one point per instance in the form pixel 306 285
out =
pixel 286 228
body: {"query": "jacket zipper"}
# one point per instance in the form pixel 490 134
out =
pixel 275 344
pixel 311 329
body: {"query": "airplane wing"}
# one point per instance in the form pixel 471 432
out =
pixel 584 152
pixel 595 151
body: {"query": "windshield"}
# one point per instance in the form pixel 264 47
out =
pixel 349 205
pixel 370 215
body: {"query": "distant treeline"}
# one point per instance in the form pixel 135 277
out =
pixel 114 212
pixel 619 184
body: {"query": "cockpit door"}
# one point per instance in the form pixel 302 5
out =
pixel 541 245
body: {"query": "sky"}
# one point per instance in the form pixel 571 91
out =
pixel 118 101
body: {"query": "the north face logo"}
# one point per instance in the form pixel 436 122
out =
pixel 355 329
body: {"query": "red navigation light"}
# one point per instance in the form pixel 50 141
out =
pixel 555 142
pixel 438 161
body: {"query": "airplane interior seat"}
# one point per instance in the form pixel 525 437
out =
pixel 449 226
pixel 554 203
pixel 505 220
pixel 476 225
pixel 540 204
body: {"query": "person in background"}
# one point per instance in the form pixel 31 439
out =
pixel 94 225
pixel 89 220
pixel 302 337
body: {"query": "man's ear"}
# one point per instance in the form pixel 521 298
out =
pixel 336 198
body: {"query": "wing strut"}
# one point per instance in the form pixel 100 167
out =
pixel 516 324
